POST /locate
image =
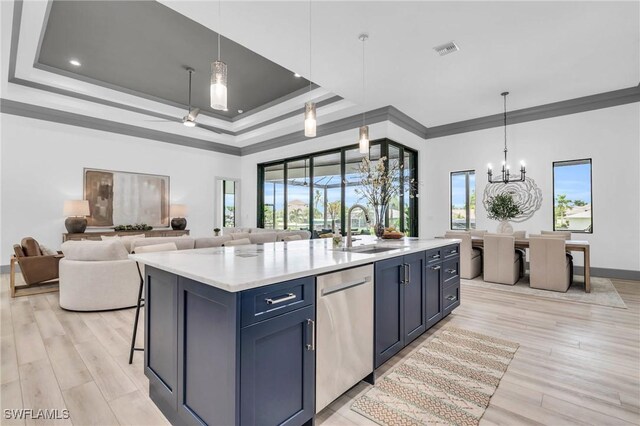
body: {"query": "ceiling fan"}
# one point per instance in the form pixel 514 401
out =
pixel 189 120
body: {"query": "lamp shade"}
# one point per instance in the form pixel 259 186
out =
pixel 76 208
pixel 178 210
pixel 310 120
pixel 218 86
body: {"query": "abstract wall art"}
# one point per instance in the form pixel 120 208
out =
pixel 120 198
pixel 526 194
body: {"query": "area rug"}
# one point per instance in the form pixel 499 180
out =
pixel 448 380
pixel 603 292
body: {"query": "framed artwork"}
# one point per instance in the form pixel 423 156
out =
pixel 122 198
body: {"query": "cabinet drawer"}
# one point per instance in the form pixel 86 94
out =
pixel 267 302
pixel 450 251
pixel 451 271
pixel 450 298
pixel 433 256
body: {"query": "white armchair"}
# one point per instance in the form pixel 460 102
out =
pixel 97 276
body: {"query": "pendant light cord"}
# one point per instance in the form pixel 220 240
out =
pixel 364 95
pixel 219 25
pixel 310 32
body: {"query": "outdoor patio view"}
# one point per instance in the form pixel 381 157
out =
pixel 572 196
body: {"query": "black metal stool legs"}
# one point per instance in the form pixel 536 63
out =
pixel 135 322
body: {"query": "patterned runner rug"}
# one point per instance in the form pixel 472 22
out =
pixel 448 380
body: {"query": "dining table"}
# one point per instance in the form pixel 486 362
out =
pixel 570 245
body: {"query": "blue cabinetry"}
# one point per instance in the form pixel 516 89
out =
pixel 413 293
pixel 400 304
pixel 219 358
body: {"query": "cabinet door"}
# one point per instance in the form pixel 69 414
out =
pixel 389 320
pixel 277 371
pixel 433 278
pixel 161 336
pixel 414 296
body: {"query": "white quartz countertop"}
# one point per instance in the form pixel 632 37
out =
pixel 245 267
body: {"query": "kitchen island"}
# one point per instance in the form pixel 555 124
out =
pixel 230 333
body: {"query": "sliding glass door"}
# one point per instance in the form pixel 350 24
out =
pixel 316 191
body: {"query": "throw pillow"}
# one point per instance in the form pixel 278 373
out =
pixel 240 235
pixel 127 240
pixel 292 238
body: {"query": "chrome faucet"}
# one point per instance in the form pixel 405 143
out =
pixel 366 217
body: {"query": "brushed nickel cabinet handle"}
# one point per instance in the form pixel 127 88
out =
pixel 289 296
pixel 452 298
pixel 435 268
pixel 407 273
pixel 312 346
pixel 435 256
pixel 451 271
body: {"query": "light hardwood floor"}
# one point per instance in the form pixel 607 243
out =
pixel 577 363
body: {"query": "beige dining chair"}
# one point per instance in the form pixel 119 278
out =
pixel 502 263
pixel 565 234
pixel 550 267
pixel 478 232
pixel 520 235
pixel 470 257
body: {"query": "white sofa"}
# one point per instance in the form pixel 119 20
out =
pixel 97 276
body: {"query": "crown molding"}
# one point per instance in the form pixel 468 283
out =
pixel 11 107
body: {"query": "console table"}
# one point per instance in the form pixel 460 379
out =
pixel 97 235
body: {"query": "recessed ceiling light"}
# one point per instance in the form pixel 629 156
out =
pixel 445 49
pixel 296 75
pixel 240 111
pixel 75 62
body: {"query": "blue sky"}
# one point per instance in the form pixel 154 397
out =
pixel 574 181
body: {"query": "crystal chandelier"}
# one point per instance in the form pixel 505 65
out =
pixel 218 88
pixel 505 174
pixel 363 134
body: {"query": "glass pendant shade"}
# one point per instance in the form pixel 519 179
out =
pixel 219 85
pixel 364 140
pixel 310 119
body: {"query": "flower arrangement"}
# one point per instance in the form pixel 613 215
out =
pixel 380 183
pixel 502 207
pixel 134 227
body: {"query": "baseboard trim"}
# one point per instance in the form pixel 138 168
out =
pixel 621 274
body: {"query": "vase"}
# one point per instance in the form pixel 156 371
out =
pixel 380 212
pixel 504 227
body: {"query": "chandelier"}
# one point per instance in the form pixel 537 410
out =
pixel 505 176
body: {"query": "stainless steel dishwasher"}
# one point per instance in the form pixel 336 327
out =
pixel 344 333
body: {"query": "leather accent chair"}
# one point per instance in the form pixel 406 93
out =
pixel 502 263
pixel 550 267
pixel 36 267
pixel 470 258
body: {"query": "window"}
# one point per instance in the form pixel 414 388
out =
pixel 315 191
pixel 463 200
pixel 572 196
pixel 228 203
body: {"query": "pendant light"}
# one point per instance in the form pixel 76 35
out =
pixel 505 177
pixel 310 107
pixel 363 134
pixel 218 89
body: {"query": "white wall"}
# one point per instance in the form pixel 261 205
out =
pixel 42 165
pixel 610 136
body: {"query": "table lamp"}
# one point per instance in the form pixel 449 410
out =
pixel 178 212
pixel 76 210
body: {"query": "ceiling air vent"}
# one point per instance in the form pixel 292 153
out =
pixel 445 49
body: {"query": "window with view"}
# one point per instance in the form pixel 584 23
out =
pixel 229 203
pixel 463 200
pixel 315 192
pixel 572 196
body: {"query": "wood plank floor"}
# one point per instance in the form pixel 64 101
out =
pixel 577 363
